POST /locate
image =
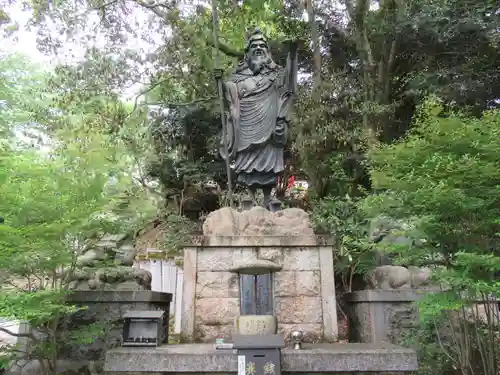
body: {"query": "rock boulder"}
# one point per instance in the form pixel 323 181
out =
pixel 258 222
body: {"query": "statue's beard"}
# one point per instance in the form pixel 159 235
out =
pixel 257 62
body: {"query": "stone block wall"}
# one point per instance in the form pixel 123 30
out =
pixel 377 316
pixel 105 309
pixel 303 291
pixel 381 315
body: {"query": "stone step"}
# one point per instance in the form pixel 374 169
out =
pixel 320 358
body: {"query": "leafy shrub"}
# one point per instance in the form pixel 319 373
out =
pixel 445 179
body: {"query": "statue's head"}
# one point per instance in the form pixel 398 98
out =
pixel 257 51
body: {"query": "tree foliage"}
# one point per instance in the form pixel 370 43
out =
pixel 57 201
pixel 21 87
pixel 444 178
pixel 369 66
pixel 357 134
pixel 445 173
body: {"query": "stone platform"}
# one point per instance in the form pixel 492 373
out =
pixel 320 358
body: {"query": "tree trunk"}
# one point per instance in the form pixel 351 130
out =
pixel 376 72
pixel 311 15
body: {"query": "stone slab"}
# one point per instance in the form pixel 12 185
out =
pixel 328 296
pixel 384 296
pixel 300 309
pixel 313 333
pixel 297 283
pixel 189 294
pixel 202 358
pixel 217 284
pixel 124 296
pixel 301 259
pixel 258 241
pixel 220 259
pixel 209 333
pixel 216 311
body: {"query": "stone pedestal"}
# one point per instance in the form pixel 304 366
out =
pixel 303 289
pixel 377 316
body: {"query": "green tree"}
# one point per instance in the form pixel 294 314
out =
pixel 369 65
pixel 445 179
pixel 379 59
pixel 57 202
pixel 21 88
pixel 176 75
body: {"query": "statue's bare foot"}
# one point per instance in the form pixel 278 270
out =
pixel 251 192
pixel 267 196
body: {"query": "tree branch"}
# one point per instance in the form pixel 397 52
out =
pixel 27 335
pixel 150 6
pixel 144 92
pixel 12 284
pixel 311 12
pixel 185 104
pixel 155 9
pixel 168 104
pixel 99 7
pixel 142 180
pixel 350 8
pixel 188 81
pixel 225 49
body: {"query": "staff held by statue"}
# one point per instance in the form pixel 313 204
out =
pixel 218 78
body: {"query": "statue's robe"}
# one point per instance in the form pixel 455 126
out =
pixel 257 121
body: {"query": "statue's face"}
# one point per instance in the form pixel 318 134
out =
pixel 258 55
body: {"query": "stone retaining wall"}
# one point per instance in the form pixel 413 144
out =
pixel 381 315
pixel 391 315
pixel 106 309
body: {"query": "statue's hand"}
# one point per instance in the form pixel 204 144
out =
pixel 292 45
pixel 218 73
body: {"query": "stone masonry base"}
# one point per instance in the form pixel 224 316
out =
pixel 303 289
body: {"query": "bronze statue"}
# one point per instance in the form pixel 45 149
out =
pixel 259 96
